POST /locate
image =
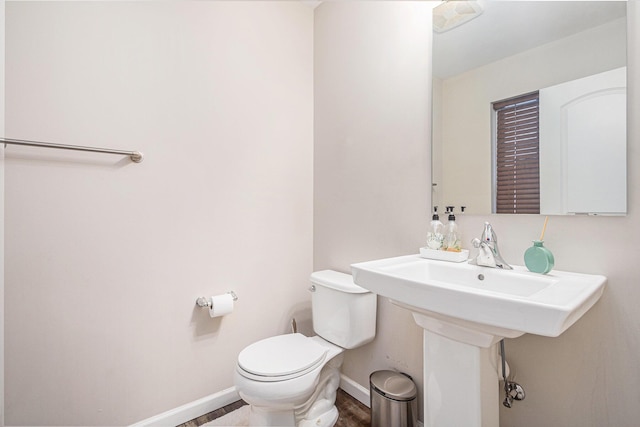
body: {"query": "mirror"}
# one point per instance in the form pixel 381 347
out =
pixel 512 48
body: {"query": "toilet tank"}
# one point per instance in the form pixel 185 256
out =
pixel 343 312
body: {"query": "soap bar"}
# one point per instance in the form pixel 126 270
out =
pixel 538 259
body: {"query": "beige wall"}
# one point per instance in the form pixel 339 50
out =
pixel 2 13
pixel 371 155
pixel 437 148
pixel 371 201
pixel 105 258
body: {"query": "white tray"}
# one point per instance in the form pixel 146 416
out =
pixel 461 256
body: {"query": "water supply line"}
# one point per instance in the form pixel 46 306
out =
pixel 512 390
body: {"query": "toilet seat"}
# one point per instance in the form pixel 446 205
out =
pixel 281 358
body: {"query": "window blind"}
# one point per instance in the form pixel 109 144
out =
pixel 517 155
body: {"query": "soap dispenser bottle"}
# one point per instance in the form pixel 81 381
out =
pixel 435 236
pixel 452 236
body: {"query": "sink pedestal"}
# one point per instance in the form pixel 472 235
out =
pixel 460 384
pixel 461 376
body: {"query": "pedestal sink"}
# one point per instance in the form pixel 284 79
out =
pixel 465 311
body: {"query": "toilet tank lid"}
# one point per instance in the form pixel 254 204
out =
pixel 336 280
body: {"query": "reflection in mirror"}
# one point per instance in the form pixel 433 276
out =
pixel 574 54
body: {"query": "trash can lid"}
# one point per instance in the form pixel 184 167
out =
pixel 393 385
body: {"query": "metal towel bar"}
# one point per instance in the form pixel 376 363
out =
pixel 135 156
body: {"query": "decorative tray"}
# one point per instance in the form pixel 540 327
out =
pixel 461 256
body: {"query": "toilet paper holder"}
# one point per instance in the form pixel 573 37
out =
pixel 206 302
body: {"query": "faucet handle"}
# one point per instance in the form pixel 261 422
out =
pixel 487 234
pixel 475 242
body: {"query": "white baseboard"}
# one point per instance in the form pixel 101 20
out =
pixel 355 390
pixel 210 403
pixel 191 410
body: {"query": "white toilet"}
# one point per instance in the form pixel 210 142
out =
pixel 292 380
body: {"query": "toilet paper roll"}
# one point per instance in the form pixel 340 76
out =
pixel 221 305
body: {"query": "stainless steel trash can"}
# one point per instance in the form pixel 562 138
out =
pixel 393 400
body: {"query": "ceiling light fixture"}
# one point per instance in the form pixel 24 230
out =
pixel 452 13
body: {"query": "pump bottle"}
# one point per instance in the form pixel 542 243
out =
pixel 435 236
pixel 452 236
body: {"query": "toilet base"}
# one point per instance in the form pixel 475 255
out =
pixel 328 419
pixel 261 416
pixel 318 410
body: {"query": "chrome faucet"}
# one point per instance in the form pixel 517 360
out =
pixel 489 254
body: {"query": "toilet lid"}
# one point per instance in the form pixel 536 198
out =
pixel 282 355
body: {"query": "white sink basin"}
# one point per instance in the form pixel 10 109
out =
pixel 505 303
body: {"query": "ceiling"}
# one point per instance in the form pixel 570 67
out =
pixel 508 27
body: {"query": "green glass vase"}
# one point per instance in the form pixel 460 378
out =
pixel 538 259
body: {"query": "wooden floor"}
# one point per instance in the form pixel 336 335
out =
pixel 352 413
pixel 213 415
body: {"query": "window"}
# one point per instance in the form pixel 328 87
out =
pixel 517 159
